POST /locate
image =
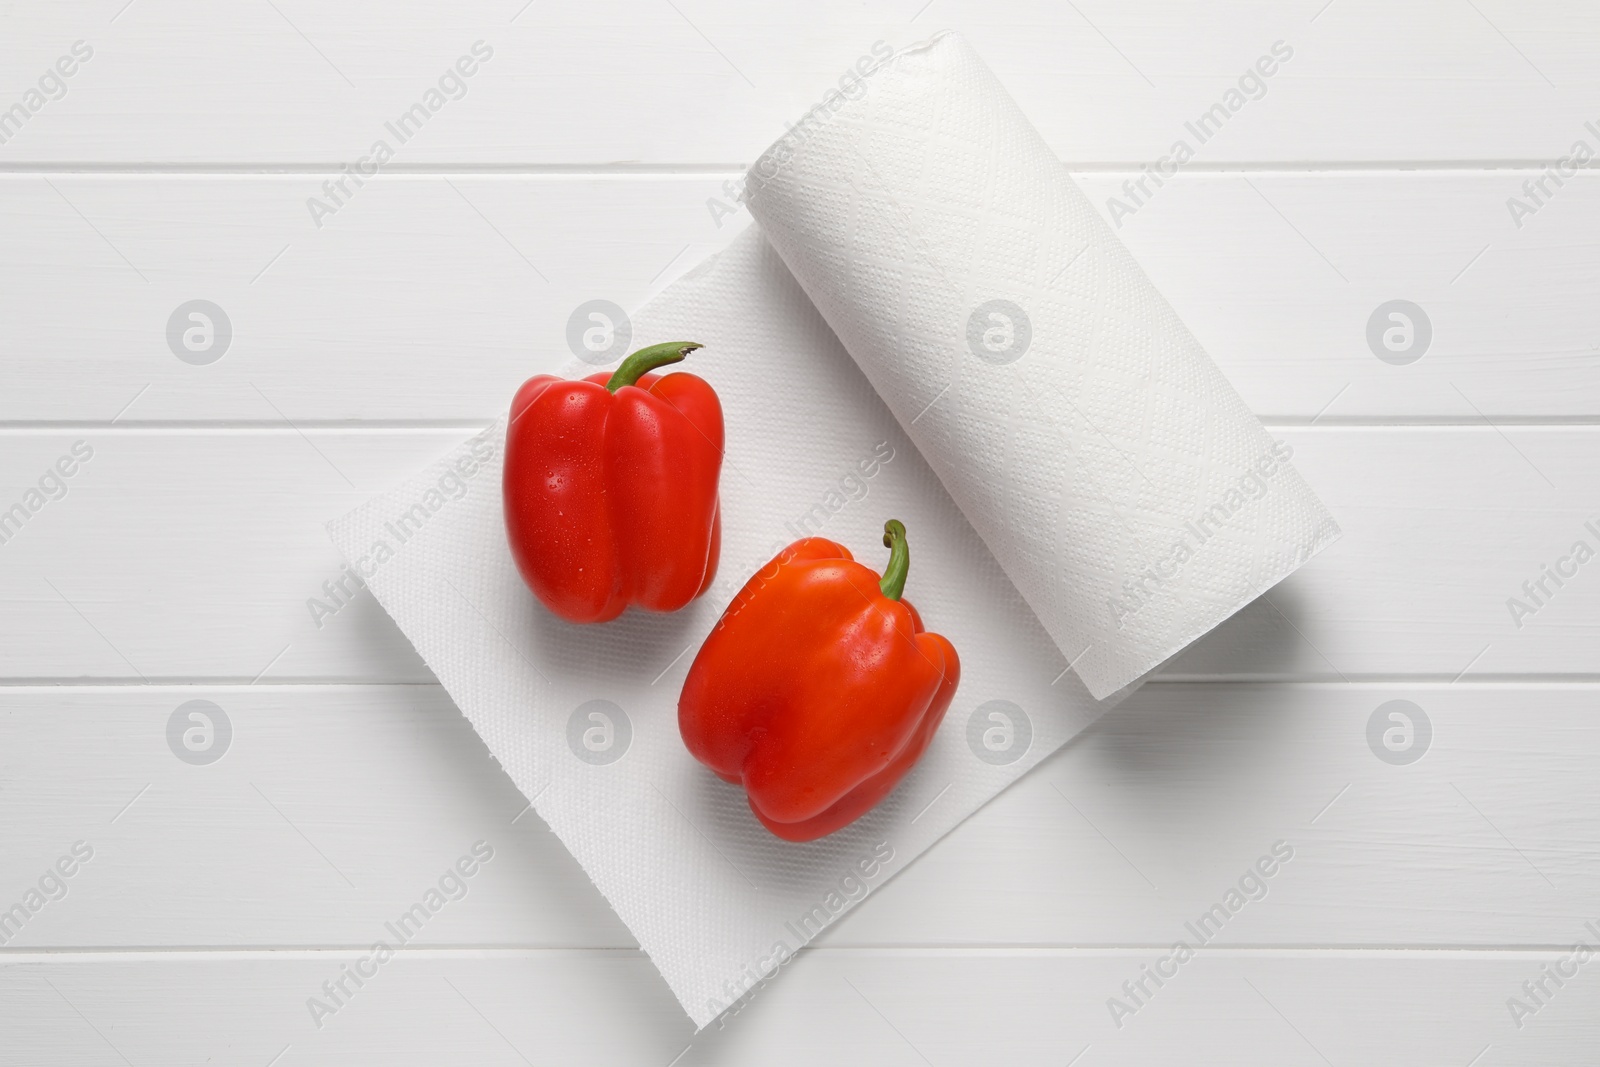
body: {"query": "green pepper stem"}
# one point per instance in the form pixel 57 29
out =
pixel 646 360
pixel 894 575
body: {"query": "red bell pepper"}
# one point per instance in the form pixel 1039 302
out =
pixel 818 689
pixel 611 487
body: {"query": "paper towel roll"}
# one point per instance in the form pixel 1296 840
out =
pixel 1122 484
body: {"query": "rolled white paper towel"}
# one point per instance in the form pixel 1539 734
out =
pixel 1122 484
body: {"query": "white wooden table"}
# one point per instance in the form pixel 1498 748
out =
pixel 586 157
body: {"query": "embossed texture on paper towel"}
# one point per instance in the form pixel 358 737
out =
pixel 1119 479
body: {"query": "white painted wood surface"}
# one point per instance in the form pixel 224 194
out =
pixel 177 566
pixel 336 804
pixel 431 297
pixel 1443 525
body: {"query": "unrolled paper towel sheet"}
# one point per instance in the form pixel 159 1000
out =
pixel 1078 462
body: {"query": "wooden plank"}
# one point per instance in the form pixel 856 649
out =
pixel 849 1007
pixel 333 809
pixel 199 554
pixel 713 80
pixel 1148 819
pixel 175 552
pixel 430 298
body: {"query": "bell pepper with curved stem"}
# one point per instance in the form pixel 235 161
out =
pixel 818 689
pixel 610 487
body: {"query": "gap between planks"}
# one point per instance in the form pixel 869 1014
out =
pixel 304 168
pixel 472 426
pixel 49 685
pixel 19 957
